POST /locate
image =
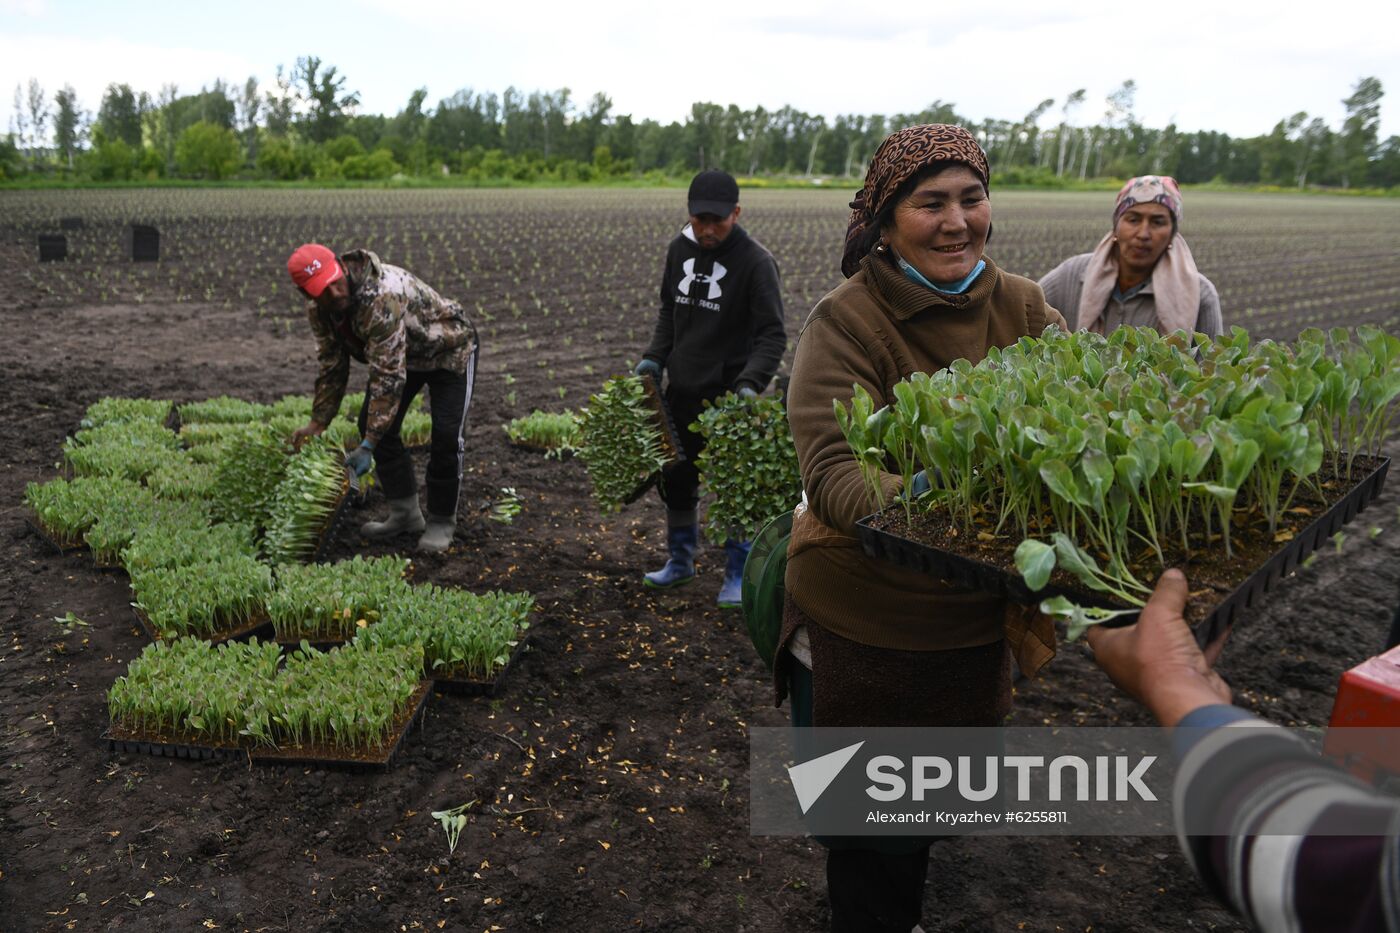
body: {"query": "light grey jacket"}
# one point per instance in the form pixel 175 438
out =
pixel 1064 284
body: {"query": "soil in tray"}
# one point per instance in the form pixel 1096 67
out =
pixel 376 757
pixel 1211 575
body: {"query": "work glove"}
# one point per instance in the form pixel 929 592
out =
pixel 747 392
pixel 920 485
pixel 648 368
pixel 360 459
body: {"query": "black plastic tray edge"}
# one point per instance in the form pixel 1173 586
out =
pixel 173 749
pixel 975 574
pixel 333 524
pixel 260 628
pixel 482 688
pixel 37 527
pixel 667 423
pixel 322 646
pixel 425 688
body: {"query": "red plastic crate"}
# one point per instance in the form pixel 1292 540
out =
pixel 1366 709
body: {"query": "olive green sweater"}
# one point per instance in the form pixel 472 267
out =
pixel 874 330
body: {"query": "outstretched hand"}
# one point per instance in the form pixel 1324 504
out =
pixel 1157 661
pixel 308 430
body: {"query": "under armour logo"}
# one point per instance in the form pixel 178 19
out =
pixel 313 268
pixel 711 280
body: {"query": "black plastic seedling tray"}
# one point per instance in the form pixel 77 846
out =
pixel 670 435
pixel 381 759
pixel 162 748
pixel 989 578
pixel 480 688
pixel 349 499
pixel 61 545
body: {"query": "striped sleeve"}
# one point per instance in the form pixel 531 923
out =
pixel 1288 841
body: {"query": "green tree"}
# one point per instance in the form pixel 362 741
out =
pixel 68 122
pixel 248 104
pixel 119 115
pixel 1360 130
pixel 206 150
pixel 110 158
pixel 323 92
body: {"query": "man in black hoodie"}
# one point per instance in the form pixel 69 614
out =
pixel 720 329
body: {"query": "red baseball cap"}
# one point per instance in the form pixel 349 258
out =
pixel 313 267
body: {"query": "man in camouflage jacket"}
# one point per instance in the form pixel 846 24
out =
pixel 410 337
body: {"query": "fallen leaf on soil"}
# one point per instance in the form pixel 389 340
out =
pixel 1283 536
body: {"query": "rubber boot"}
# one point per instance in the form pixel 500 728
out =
pixel 404 516
pixel 731 591
pixel 680 568
pixel 438 536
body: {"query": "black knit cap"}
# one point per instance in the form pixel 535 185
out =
pixel 713 192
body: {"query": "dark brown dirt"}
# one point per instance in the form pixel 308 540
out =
pixel 610 775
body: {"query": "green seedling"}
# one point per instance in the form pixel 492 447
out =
pixel 749 464
pixel 453 822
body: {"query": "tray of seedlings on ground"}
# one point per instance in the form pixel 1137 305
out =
pixel 555 434
pixel 119 522
pixel 183 479
pixel 749 464
pixel 63 510
pixel 131 449
pixel 176 537
pixel 188 699
pixel 308 503
pixel 223 596
pixel 626 439
pixel 469 640
pixel 223 410
pixel 112 410
pixel 351 706
pixel 1078 467
pixel 326 604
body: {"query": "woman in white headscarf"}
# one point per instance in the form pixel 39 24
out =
pixel 1141 274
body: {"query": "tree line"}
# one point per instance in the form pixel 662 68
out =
pixel 309 125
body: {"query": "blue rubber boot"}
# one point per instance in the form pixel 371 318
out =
pixel 731 591
pixel 680 569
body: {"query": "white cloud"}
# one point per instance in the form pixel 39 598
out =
pixel 89 65
pixel 30 8
pixel 1236 67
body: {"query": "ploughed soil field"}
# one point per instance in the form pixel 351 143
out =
pixel 611 775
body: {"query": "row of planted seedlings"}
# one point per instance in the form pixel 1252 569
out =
pixel 1091 464
pixel 223 562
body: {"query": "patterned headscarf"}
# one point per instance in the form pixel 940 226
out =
pixel 900 157
pixel 1156 189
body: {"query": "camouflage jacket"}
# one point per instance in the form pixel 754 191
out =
pixel 396 323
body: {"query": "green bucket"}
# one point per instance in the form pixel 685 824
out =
pixel 761 589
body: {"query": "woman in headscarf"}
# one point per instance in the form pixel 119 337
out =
pixel 869 643
pixel 1141 274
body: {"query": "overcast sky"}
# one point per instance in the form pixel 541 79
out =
pixel 1237 66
